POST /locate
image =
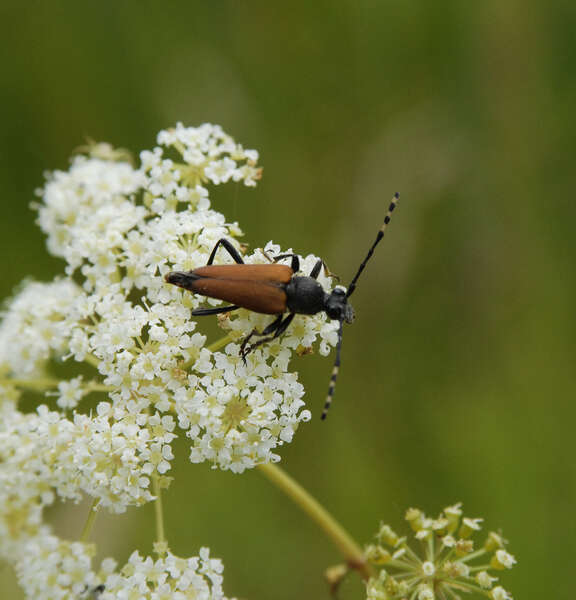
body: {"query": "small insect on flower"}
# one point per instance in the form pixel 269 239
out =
pixel 274 290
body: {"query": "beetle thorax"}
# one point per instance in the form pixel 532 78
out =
pixel 305 296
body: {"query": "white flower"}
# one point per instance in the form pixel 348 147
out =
pixel 86 210
pixel 425 593
pixel 70 393
pixel 443 570
pixel 220 171
pixel 49 568
pixel 120 229
pixel 485 580
pixel 34 326
pixel 470 526
pixel 499 593
pixel 208 155
pixel 503 560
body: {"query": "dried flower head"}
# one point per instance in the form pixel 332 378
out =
pixel 446 564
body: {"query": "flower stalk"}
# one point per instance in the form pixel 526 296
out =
pixel 351 551
pixel 159 512
pixel 88 526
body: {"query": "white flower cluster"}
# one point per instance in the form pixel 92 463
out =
pixel 111 460
pixel 447 565
pixel 35 327
pixel 53 569
pixel 120 229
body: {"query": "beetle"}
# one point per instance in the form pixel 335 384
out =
pixel 274 290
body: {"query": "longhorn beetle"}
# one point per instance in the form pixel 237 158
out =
pixel 274 290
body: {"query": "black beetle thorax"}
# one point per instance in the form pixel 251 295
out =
pixel 305 296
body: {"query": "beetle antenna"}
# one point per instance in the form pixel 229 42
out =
pixel 380 235
pixel 334 375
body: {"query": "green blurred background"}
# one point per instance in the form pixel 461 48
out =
pixel 457 381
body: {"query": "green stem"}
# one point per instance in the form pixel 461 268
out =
pixel 220 343
pixel 90 520
pixel 44 383
pixel 340 537
pixel 99 387
pixel 92 360
pixel 473 555
pixel 32 384
pixel 160 534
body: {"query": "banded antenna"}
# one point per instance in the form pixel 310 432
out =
pixel 380 235
pixel 349 292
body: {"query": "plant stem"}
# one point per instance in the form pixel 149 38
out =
pixel 44 383
pixel 90 520
pixel 92 360
pixel 39 384
pixel 220 343
pixel 340 537
pixel 160 535
pixel 99 387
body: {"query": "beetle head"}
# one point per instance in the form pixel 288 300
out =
pixel 337 306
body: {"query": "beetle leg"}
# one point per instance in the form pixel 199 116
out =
pixel 269 329
pixel 294 265
pixel 201 312
pixel 227 246
pixel 316 270
pixel 277 328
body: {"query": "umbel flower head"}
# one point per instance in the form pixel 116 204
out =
pixel 120 230
pixel 53 568
pixel 124 333
pixel 447 562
